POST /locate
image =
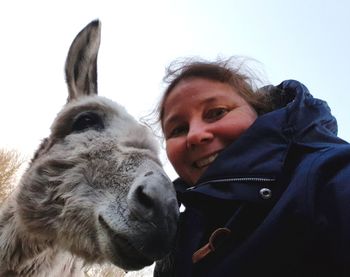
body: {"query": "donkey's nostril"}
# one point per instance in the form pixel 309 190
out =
pixel 143 198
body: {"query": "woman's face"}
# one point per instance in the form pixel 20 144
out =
pixel 201 117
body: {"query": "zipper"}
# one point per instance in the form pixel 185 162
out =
pixel 236 179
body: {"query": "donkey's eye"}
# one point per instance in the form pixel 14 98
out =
pixel 87 120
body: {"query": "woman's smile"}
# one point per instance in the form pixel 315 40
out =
pixel 204 162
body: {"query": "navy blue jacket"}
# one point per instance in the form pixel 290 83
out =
pixel 282 190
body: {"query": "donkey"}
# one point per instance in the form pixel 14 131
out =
pixel 94 192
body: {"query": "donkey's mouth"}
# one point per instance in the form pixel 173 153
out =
pixel 124 253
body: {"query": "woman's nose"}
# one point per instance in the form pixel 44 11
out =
pixel 198 134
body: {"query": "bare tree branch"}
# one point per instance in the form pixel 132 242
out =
pixel 10 162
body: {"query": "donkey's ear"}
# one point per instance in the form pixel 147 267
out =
pixel 81 62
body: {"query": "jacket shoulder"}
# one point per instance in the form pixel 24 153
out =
pixel 331 165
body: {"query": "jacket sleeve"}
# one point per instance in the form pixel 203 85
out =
pixel 328 183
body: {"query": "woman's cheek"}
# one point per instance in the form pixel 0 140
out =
pixel 172 150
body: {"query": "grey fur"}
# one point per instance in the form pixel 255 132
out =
pixel 90 195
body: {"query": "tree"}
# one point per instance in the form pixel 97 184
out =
pixel 10 162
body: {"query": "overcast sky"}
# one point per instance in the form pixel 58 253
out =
pixel 307 40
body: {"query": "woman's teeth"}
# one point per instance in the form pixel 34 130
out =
pixel 205 161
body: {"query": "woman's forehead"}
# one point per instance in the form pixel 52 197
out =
pixel 191 94
pixel 199 89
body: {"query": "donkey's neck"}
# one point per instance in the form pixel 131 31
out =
pixel 22 254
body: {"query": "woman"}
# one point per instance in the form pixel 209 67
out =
pixel 262 175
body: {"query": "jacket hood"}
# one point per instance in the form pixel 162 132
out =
pixel 262 149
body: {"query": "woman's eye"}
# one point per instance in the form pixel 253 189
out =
pixel 216 113
pixel 87 120
pixel 177 131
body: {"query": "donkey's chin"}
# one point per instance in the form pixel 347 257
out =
pixel 132 253
pixel 121 251
pixel 125 255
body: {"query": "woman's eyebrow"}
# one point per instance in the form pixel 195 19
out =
pixel 176 117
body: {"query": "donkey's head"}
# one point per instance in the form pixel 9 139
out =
pixel 96 187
